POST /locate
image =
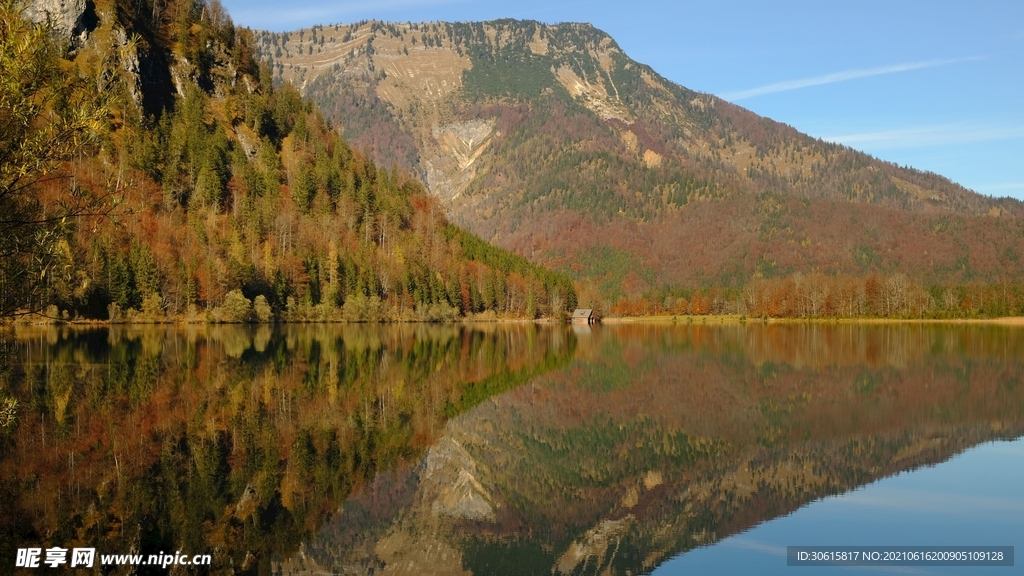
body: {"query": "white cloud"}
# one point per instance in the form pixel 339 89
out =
pixel 841 77
pixel 927 136
pixel 991 189
pixel 932 502
pixel 755 546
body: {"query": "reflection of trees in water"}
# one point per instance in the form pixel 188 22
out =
pixel 814 345
pixel 660 439
pixel 233 439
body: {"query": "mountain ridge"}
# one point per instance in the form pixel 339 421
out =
pixel 528 131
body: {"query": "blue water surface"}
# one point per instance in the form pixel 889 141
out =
pixel 974 499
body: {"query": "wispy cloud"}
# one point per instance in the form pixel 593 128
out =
pixel 754 545
pixel 927 501
pixel 923 136
pixel 842 77
pixel 993 189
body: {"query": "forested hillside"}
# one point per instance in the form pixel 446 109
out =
pixel 202 191
pixel 550 141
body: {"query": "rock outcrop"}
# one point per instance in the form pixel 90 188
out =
pixel 72 20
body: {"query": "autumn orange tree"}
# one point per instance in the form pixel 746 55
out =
pixel 47 116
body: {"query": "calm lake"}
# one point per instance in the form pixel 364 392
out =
pixel 510 449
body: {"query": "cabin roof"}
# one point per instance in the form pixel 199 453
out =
pixel 583 313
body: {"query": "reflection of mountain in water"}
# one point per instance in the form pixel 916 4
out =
pixel 658 440
pixel 233 441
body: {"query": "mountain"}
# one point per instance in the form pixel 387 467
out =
pixel 550 141
pixel 200 191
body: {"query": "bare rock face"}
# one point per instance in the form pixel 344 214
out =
pixel 449 482
pixel 72 20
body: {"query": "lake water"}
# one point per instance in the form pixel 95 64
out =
pixel 511 449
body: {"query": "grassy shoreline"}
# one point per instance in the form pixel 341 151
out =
pixel 42 321
pixel 700 320
pixel 736 319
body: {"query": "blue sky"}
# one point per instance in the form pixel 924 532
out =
pixel 935 85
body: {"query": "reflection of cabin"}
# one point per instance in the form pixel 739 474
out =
pixel 584 316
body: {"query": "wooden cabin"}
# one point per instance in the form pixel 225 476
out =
pixel 584 316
